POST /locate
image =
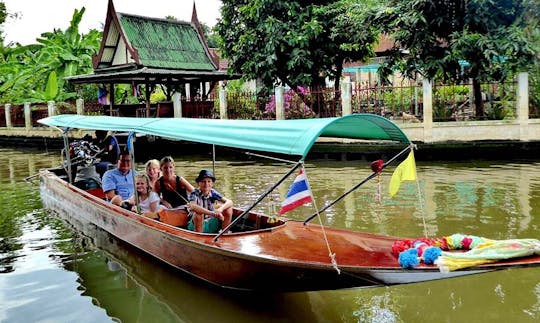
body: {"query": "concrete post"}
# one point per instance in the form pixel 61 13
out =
pixel 346 98
pixel 27 116
pixel 177 104
pixel 188 92
pixel 522 105
pixel 51 108
pixel 79 103
pixel 280 102
pixel 428 109
pixel 7 108
pixel 222 100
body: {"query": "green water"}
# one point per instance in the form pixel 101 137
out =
pixel 50 272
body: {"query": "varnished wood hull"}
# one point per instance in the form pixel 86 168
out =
pixel 288 257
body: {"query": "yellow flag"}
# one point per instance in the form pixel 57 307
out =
pixel 406 171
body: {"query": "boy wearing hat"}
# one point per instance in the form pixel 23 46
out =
pixel 201 203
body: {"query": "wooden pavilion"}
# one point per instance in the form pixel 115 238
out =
pixel 145 52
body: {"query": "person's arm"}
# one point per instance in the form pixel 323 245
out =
pixel 194 207
pixel 109 186
pixel 225 204
pixel 154 201
pixel 154 206
pixel 187 186
pixel 110 194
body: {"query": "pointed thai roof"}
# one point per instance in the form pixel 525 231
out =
pixel 134 48
pixel 152 42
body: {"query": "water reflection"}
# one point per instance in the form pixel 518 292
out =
pixel 54 273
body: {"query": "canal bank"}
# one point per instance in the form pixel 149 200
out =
pixel 326 148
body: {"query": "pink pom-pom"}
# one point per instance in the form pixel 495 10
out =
pixel 466 243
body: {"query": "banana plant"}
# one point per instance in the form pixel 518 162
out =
pixel 29 72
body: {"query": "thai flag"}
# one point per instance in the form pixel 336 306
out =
pixel 299 194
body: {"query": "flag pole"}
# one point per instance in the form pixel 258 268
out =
pixel 259 199
pixel 408 148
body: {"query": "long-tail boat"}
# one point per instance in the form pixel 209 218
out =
pixel 266 252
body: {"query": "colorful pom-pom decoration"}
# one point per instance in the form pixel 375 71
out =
pixel 431 254
pixel 409 258
pixel 411 252
pixel 400 246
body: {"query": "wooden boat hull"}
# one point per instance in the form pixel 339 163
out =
pixel 288 257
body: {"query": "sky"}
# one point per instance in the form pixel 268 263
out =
pixel 39 16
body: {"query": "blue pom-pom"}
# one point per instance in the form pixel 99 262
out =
pixel 409 258
pixel 431 254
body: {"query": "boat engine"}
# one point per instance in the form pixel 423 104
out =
pixel 83 156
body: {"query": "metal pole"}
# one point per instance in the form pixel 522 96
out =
pixel 214 159
pixel 270 157
pixel 66 150
pixel 131 150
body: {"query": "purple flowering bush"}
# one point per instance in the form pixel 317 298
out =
pixel 295 106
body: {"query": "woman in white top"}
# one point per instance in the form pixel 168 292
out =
pixel 148 199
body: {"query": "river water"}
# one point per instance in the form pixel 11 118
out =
pixel 50 272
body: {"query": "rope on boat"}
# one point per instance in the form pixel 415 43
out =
pixel 420 198
pixel 421 206
pixel 330 253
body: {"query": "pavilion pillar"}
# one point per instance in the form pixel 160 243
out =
pixel 177 104
pixel 188 92
pixel 111 98
pixel 147 98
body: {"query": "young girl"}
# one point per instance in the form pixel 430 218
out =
pixel 153 171
pixel 148 199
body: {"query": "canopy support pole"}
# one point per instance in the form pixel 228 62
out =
pixel 131 150
pixel 268 191
pixel 408 148
pixel 214 159
pixel 68 159
pixel 269 157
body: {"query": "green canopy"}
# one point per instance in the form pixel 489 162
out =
pixel 292 137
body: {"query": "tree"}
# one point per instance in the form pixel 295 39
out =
pixel 293 42
pixel 3 12
pixel 439 35
pixel 210 36
pixel 3 16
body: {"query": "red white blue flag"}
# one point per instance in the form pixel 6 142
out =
pixel 299 194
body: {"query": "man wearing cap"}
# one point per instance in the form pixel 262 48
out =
pixel 201 203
